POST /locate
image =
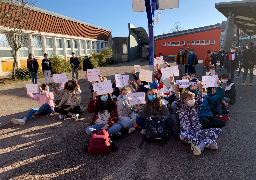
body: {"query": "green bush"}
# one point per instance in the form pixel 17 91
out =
pixel 81 60
pixel 110 61
pixel 22 73
pixel 66 67
pixel 59 66
pixel 94 62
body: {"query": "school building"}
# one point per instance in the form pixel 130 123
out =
pixel 200 39
pixel 52 33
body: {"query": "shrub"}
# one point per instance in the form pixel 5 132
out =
pixel 110 61
pixel 94 62
pixel 81 60
pixel 22 73
pixel 66 66
pixel 57 64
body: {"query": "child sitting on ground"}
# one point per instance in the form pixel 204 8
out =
pixel 125 111
pixel 191 131
pixel 46 104
pixel 229 89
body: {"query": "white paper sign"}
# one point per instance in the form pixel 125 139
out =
pixel 121 80
pixel 210 81
pixel 136 98
pixel 185 83
pixel 93 75
pixel 32 88
pixel 103 87
pixel 146 75
pixel 169 71
pixel 158 60
pixel 137 68
pixel 60 78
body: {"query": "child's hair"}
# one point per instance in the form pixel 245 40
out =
pixel 126 88
pixel 209 51
pixel 192 50
pixel 224 76
pixel 186 75
pixel 187 94
pixel 211 67
pixel 157 103
pixel 43 86
pixel 134 85
pixel 101 106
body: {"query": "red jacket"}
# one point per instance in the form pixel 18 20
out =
pixel 207 60
pixel 92 108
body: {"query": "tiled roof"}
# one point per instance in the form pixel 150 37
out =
pixel 187 32
pixel 46 21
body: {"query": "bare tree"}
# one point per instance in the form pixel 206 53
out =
pixel 15 17
pixel 176 27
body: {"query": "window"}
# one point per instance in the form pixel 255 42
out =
pixel 3 41
pixel 68 46
pixel 178 43
pixel 183 42
pixel 82 46
pixel 212 41
pixel 49 43
pixel 59 43
pixel 59 46
pixel 38 47
pixel 164 44
pixel 37 43
pixel 124 48
pixel 198 42
pixel 88 47
pixel 188 42
pixel 203 42
pixel 101 46
pixel 93 47
pixel 207 41
pixel 193 42
pixel 168 43
pixel 75 43
pixel 173 43
pixel 98 46
pixel 107 44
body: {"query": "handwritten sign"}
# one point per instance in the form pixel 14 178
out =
pixel 137 68
pixel 136 98
pixel 121 80
pixel 185 83
pixel 158 60
pixel 210 81
pixel 60 78
pixel 93 75
pixel 146 75
pixel 169 71
pixel 32 88
pixel 103 87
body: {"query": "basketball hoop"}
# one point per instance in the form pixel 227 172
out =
pixel 157 16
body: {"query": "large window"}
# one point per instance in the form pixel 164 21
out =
pixel 124 48
pixel 38 47
pixel 76 47
pixel 101 45
pixel 88 47
pixel 59 46
pixel 98 46
pixel 82 46
pixel 68 47
pixel 5 49
pixel 49 46
pixel 93 47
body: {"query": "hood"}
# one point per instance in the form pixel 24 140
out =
pixel 167 82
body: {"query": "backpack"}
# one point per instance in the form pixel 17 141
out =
pixel 99 142
pixel 155 130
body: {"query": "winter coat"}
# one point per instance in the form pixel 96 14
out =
pixel 87 64
pixel 75 61
pixel 43 97
pixel 231 61
pixel 221 55
pixel 33 68
pixel 231 94
pixel 123 112
pixel 206 61
pixel 180 58
pixel 192 59
pixel 152 112
pixel 75 97
pixel 92 109
pixel 209 99
pixel 214 58
pixel 249 59
pixel 46 64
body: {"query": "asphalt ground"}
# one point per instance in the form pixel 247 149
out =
pixel 48 148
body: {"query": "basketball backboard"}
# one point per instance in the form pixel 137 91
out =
pixel 139 5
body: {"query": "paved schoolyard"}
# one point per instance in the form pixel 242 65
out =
pixel 47 148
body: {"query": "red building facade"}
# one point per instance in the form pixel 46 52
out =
pixel 199 39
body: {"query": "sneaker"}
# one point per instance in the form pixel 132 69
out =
pixel 18 121
pixel 62 117
pixel 197 150
pixel 50 84
pixel 131 130
pixel 224 118
pixel 243 84
pixel 213 146
pixel 143 131
pixel 74 116
pixel 250 83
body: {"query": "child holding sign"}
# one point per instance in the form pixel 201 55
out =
pixel 46 104
pixel 105 114
pixel 191 132
pixel 125 111
pixel 154 107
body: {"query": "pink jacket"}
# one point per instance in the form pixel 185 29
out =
pixel 44 97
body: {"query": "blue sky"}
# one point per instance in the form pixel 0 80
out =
pixel 116 14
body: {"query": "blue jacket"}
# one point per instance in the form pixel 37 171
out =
pixel 205 110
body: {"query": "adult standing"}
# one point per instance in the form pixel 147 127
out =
pixel 32 65
pixel 231 62
pixel 47 68
pixel 180 60
pixel 206 62
pixel 187 58
pixel 192 62
pixel 74 61
pixel 221 57
pixel 249 60
pixel 87 64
